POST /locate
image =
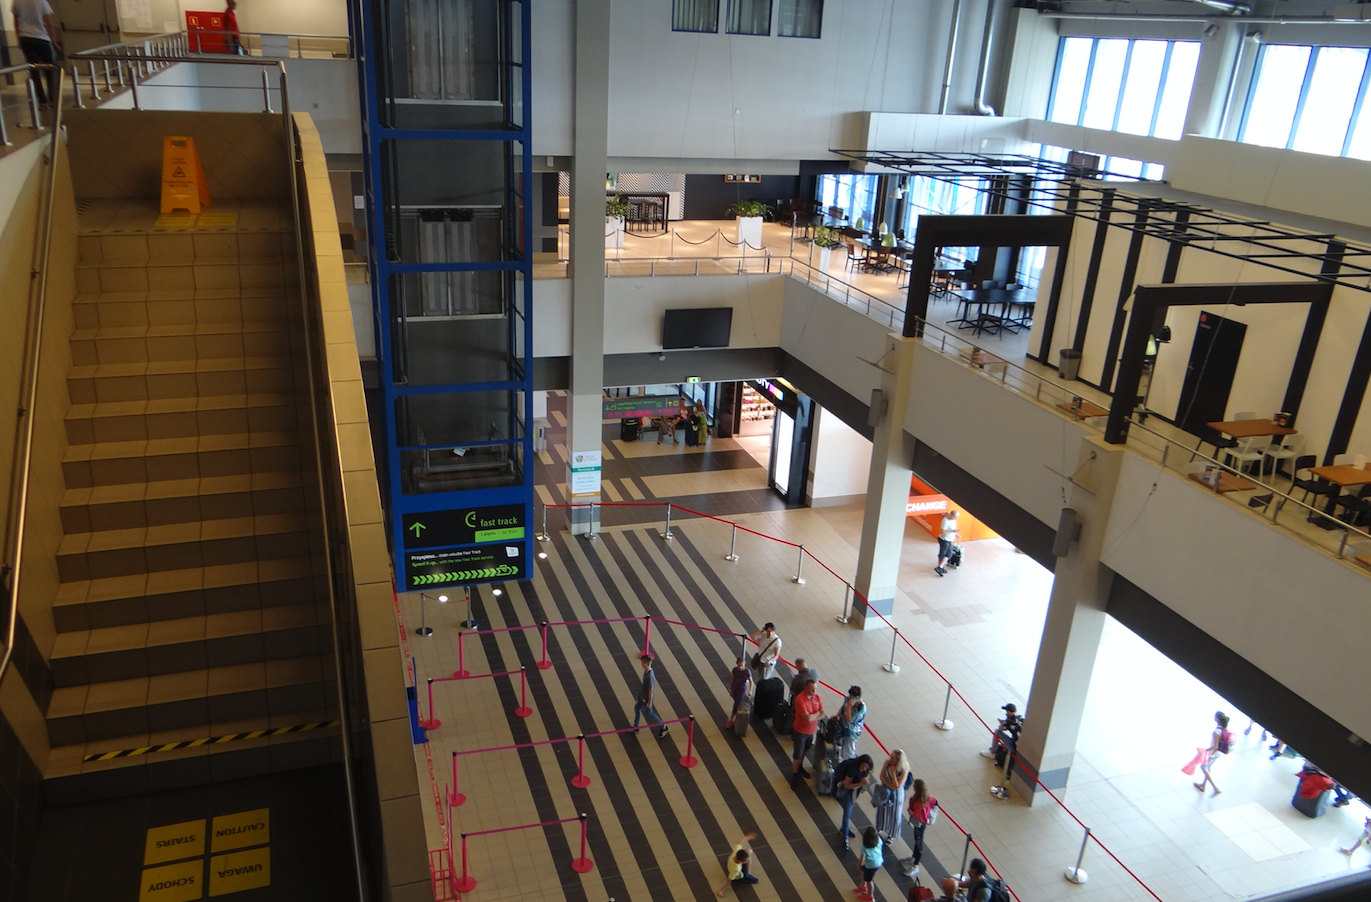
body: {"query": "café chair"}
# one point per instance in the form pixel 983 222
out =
pixel 1356 508
pixel 856 254
pixel 1245 415
pixel 1343 460
pixel 1248 450
pixel 1309 483
pixel 1290 448
pixel 1261 501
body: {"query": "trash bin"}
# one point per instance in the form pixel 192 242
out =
pixel 1069 363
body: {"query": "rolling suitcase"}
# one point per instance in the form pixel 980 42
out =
pixel 1315 807
pixel 823 781
pixel 769 695
pixel 692 432
pixel 742 719
pixel 887 816
pixel 782 719
pixel 630 430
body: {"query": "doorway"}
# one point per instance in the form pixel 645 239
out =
pixel 1209 374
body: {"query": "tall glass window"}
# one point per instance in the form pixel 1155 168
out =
pixel 1310 99
pixel 748 17
pixel 1138 87
pixel 695 15
pixel 800 18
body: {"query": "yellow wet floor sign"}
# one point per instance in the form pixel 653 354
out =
pixel 183 180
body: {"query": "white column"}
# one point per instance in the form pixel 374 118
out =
pixel 587 265
pixel 887 491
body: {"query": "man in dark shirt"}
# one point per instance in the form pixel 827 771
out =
pixel 849 779
pixel 646 695
pixel 803 672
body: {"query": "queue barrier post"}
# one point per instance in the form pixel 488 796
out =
pixel 847 599
pixel 666 534
pixel 742 646
pixel 1001 789
pixel 468 882
pixel 580 781
pixel 523 710
pixel 891 666
pixel 1077 875
pixel 798 579
pixel 461 673
pixel 960 875
pixel 733 546
pixel 689 760
pixel 944 724
pixel 432 723
pixel 591 535
pixel 543 536
pixel 456 798
pixel 544 664
pixel 583 865
pixel 647 633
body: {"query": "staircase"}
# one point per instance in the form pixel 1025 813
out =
pixel 191 603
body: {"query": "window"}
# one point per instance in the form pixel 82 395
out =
pixel 749 17
pixel 695 15
pixel 1309 99
pixel 1138 87
pixel 800 18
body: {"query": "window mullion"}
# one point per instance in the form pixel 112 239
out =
pixel 1251 91
pixel 1089 73
pixel 1056 79
pixel 1357 106
pixel 1123 83
pixel 1161 88
pixel 1304 95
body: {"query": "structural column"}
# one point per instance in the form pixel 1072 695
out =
pixel 587 266
pixel 887 489
pixel 1071 633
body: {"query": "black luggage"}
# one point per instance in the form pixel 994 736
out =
pixel 692 432
pixel 630 430
pixel 783 718
pixel 1315 807
pixel 769 695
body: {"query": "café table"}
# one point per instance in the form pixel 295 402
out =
pixel 1249 428
pixel 1227 483
pixel 1085 411
pixel 985 300
pixel 1344 476
pixel 983 360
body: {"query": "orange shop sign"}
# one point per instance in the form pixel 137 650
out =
pixel 923 505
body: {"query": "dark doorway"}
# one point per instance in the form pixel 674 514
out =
pixel 1209 375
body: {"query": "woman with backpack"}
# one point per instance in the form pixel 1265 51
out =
pixel 1220 742
pixel 923 810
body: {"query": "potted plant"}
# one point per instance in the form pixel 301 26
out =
pixel 750 214
pixel 825 239
pixel 616 213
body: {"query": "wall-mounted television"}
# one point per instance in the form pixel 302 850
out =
pixel 697 327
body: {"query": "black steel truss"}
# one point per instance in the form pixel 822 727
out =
pixel 1063 187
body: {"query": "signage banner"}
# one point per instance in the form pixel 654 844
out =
pixel 585 473
pixel 641 406
pixel 464 526
pixel 462 566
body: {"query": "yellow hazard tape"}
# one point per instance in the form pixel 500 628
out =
pixel 211 740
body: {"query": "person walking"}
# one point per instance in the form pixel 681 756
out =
pixel 1220 741
pixel 802 672
pixel 33 23
pixel 853 717
pixel 1364 839
pixel 739 865
pixel 947 535
pixel 232 39
pixel 849 779
pixel 768 650
pixel 868 863
pixel 923 810
pixel 809 710
pixel 889 795
pixel 646 696
pixel 739 688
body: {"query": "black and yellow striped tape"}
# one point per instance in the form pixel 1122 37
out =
pixel 211 740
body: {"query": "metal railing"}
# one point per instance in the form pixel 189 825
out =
pixel 30 100
pixel 143 66
pixel 17 503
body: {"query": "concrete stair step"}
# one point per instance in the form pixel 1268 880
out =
pixel 137 650
pixel 181 341
pixel 143 598
pixel 146 381
pixel 185 457
pixel 180 546
pixel 219 273
pixel 131 421
pixel 170 307
pixel 133 504
pixel 190 699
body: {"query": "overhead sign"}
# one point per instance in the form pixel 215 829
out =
pixel 464 526
pixel 585 473
pixel 461 566
pixel 641 406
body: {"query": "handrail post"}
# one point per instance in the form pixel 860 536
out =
pixel 76 85
pixel 133 87
pixel 33 103
pixel 94 85
pixel 891 666
pixel 666 534
pixel 4 135
pixel 108 85
pixel 798 579
pixel 266 92
pixel 733 546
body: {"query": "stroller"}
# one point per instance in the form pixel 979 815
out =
pixel 955 559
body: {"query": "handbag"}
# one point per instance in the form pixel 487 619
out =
pixel 881 795
pixel 932 813
pixel 757 658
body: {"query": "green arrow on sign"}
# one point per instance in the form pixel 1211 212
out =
pixel 418 528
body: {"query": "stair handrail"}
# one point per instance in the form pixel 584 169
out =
pixel 17 504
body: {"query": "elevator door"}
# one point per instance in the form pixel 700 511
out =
pixel 1209 375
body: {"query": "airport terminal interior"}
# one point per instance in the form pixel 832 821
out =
pixel 1000 364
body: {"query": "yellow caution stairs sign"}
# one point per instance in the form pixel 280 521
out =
pixel 183 181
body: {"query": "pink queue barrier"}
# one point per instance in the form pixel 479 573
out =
pixel 580 781
pixel 433 723
pixel 581 865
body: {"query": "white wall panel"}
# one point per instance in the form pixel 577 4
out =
pixel 1112 264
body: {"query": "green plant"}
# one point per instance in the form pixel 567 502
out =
pixel 616 207
pixel 826 237
pixel 749 208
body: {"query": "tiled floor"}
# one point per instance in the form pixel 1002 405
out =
pixel 658 830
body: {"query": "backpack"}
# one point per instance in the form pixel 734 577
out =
pixel 1225 742
pixel 998 891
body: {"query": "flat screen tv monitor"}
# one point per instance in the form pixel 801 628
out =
pixel 698 327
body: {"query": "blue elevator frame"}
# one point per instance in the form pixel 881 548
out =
pixel 371 52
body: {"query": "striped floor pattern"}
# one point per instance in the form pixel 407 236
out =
pixel 656 830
